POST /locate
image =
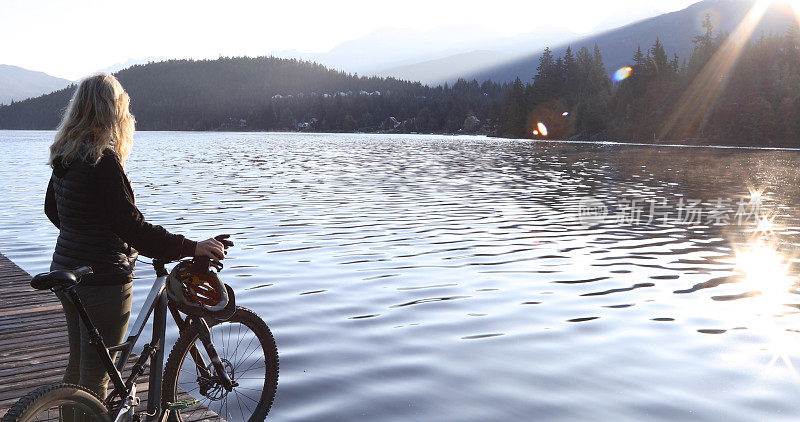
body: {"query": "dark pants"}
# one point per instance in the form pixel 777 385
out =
pixel 109 308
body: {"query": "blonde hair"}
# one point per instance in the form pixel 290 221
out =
pixel 97 117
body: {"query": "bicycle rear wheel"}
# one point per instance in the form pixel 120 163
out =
pixel 58 402
pixel 248 352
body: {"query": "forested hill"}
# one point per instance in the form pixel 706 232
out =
pixel 726 92
pixel 268 93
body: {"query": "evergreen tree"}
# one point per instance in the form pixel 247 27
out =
pixel 547 80
pixel 599 70
pixel 513 120
pixel 704 47
pixel 287 120
pixel 657 60
pixel 639 62
pixel 349 123
pixel 424 120
pixel 570 78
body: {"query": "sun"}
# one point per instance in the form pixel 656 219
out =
pixel 796 6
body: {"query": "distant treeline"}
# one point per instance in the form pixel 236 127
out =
pixel 745 95
pixel 269 93
pixel 725 94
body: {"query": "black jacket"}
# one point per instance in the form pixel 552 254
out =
pixel 99 224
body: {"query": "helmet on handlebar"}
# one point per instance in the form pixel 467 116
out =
pixel 197 291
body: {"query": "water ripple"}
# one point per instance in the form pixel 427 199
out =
pixel 450 278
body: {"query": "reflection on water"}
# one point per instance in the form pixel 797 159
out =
pixel 453 278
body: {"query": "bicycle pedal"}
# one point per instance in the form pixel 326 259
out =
pixel 183 404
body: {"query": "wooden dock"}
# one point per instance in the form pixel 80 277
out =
pixel 33 339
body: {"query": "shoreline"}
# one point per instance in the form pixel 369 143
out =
pixel 670 144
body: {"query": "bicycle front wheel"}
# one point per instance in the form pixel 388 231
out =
pixel 248 352
pixel 59 402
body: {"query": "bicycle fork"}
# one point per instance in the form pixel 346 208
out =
pixel 204 334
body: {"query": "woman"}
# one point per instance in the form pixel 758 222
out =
pixel 90 200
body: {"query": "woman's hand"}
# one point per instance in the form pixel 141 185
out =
pixel 211 248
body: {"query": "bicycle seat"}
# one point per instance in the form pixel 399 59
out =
pixel 59 278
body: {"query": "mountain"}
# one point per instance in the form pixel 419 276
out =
pixel 434 72
pixel 116 67
pixel 394 46
pixel 17 83
pixel 476 56
pixel 488 53
pixel 675 30
pixel 425 56
pixel 389 48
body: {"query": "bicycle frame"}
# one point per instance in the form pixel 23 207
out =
pixel 155 304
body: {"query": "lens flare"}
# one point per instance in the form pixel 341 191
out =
pixel 535 132
pixel 542 128
pixel 622 73
pixel 565 114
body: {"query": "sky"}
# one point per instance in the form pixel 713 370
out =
pixel 71 39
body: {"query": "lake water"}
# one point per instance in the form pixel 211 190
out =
pixel 474 279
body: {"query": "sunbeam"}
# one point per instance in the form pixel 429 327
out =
pixel 695 103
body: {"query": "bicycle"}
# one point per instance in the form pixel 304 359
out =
pixel 224 371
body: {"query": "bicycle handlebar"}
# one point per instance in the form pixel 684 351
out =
pixel 203 263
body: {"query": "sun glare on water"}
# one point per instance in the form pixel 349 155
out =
pixel 767 284
pixel 765 270
pixel 756 195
